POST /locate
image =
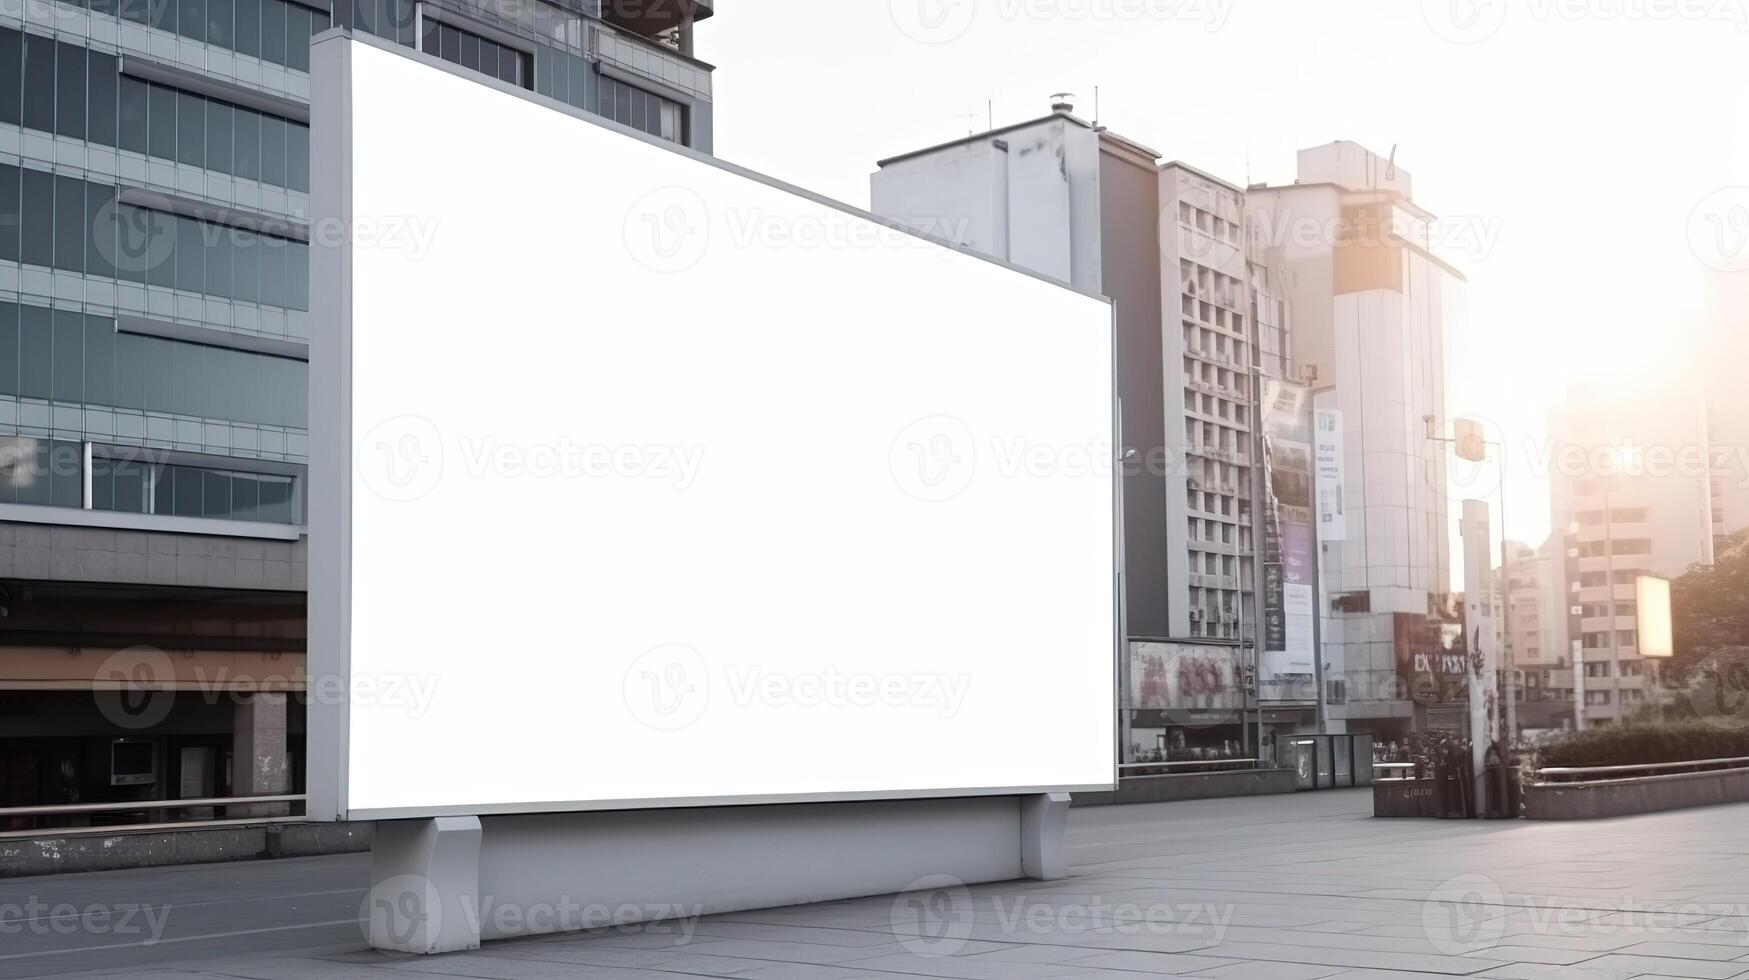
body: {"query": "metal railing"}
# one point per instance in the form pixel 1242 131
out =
pixel 1239 764
pixel 1563 775
pixel 147 807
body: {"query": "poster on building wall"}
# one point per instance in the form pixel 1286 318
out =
pixel 1332 516
pixel 1431 658
pixel 1299 575
pixel 1289 547
pixel 1182 677
pixel 1274 607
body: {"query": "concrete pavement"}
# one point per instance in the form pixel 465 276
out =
pixel 1295 888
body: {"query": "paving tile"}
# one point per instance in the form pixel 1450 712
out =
pixel 1307 887
pixel 1357 959
pixel 1689 950
pixel 1254 970
pixel 1669 966
pixel 1182 964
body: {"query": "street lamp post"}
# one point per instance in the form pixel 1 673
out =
pixel 1509 665
pixel 1471 445
pixel 1122 654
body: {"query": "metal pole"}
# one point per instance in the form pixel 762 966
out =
pixel 1123 606
pixel 1253 466
pixel 1511 665
pixel 1614 642
pixel 1321 712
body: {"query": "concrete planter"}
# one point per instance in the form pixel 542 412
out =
pixel 117 848
pixel 1193 786
pixel 1405 798
pixel 1645 794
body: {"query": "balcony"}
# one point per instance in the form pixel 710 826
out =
pixel 647 61
pixel 652 17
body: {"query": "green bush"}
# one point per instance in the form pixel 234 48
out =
pixel 1686 740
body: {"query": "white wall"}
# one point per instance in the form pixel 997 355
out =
pixel 1028 195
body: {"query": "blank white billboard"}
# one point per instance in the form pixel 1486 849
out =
pixel 1652 618
pixel 656 483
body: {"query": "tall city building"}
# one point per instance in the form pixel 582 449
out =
pixel 1535 617
pixel 1631 494
pixel 1725 339
pixel 1210 525
pixel 154 238
pixel 1372 307
pixel 1202 323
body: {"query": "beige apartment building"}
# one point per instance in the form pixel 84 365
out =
pixel 1631 481
pixel 1535 627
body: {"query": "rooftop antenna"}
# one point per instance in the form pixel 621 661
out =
pixel 990 113
pixel 1095 107
pixel 1391 164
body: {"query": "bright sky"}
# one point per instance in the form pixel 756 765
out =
pixel 1567 143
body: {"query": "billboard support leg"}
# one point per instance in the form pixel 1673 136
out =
pixel 437 884
pixel 425 885
pixel 1043 818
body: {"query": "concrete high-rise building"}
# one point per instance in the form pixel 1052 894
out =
pixel 154 236
pixel 1202 319
pixel 1210 499
pixel 1372 308
pixel 1535 628
pixel 1631 494
pixel 1725 339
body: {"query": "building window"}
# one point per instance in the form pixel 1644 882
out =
pixel 160 121
pixel 94 103
pixel 51 472
pixel 275 31
pixel 75 226
pixel 477 53
pixel 44 472
pixel 642 110
pixel 140 486
pixel 72 358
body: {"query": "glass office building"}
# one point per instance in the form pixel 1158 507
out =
pixel 154 256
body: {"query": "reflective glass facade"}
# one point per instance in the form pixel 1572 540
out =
pixel 154 179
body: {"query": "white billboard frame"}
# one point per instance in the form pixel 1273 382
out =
pixel 331 464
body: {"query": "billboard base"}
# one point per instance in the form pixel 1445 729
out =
pixel 449 883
